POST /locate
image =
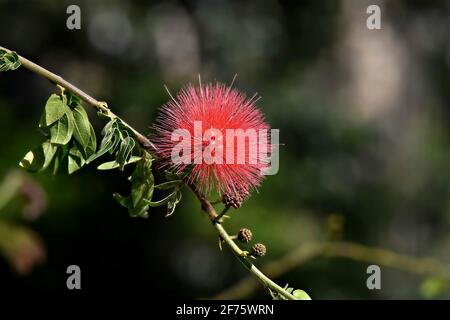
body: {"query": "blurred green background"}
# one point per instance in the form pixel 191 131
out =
pixel 363 118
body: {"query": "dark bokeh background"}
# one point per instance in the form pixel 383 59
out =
pixel 364 118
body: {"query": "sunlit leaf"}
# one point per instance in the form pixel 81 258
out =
pixel 114 164
pixel 39 158
pixel 61 131
pixel 82 127
pixel 73 164
pixel 301 295
pixel 54 109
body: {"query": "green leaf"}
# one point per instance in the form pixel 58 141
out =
pixel 298 294
pixel 61 131
pixel 115 139
pixel 92 145
pixel 125 201
pixel 124 153
pixel 8 61
pixel 172 204
pixel 40 158
pixel 55 109
pixel 108 165
pixel 141 191
pixel 111 137
pixel 82 127
pixel 74 164
pixel 114 164
pixel 61 159
pixel 142 185
pixel 49 151
pixel 72 99
pixel 58 118
pixel 75 159
pixel 301 295
pixel 168 185
pixel 104 116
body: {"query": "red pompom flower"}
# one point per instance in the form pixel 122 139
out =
pixel 217 136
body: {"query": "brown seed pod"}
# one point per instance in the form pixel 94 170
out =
pixel 258 250
pixel 245 235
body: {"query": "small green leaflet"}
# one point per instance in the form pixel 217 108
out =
pixel 297 293
pixel 82 129
pixel 61 160
pixel 111 138
pixel 173 202
pixel 142 185
pixel 116 140
pixel 75 159
pixel 61 131
pixel 114 164
pixel 83 132
pixel 8 61
pixel 124 152
pixel 92 144
pixel 40 158
pixel 72 99
pixel 301 295
pixel 54 109
pixel 57 120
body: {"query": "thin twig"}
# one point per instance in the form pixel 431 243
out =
pixel 99 105
pixel 238 252
pixel 310 251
